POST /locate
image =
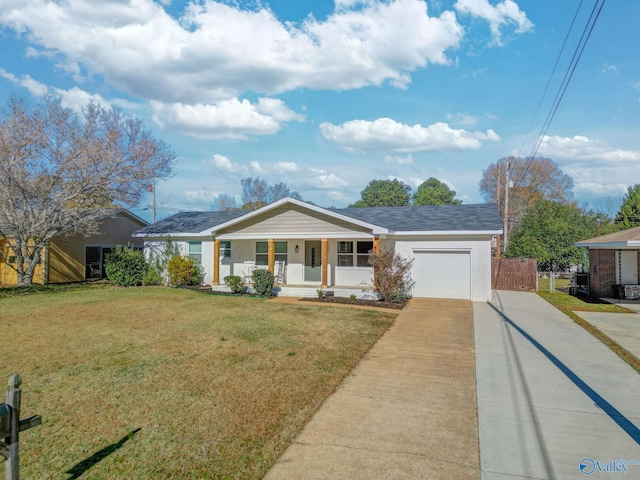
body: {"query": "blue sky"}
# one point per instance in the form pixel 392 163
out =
pixel 328 95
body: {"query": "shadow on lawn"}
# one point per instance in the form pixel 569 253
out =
pixel 79 468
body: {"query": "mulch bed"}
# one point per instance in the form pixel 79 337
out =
pixel 344 300
pixel 357 301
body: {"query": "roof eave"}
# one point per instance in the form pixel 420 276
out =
pixel 447 232
pixel 625 244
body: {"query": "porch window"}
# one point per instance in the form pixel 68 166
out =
pixel 349 257
pixel 363 253
pixel 262 252
pixel 225 249
pixel 345 254
pixel 195 251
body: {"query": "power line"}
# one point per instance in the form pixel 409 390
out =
pixel 577 54
pixel 546 88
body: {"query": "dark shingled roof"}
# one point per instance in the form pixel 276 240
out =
pixel 190 222
pixel 481 217
pixel 431 218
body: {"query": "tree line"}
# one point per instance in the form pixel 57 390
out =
pixel 543 220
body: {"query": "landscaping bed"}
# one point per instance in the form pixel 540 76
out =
pixel 357 301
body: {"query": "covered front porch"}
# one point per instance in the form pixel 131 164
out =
pixel 301 266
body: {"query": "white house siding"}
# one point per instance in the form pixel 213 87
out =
pixel 479 248
pixel 292 220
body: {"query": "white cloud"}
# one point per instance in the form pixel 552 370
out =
pixel 226 165
pixel 385 134
pixel 581 148
pixel 597 168
pixel 229 119
pixel 461 119
pixel 502 14
pixel 319 178
pixel 217 50
pixel 399 160
pixel 74 98
pixel 286 167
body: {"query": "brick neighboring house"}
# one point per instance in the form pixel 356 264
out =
pixel 614 259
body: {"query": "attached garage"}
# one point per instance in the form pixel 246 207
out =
pixel 442 274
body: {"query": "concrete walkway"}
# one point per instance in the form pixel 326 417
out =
pixel 623 328
pixel 408 410
pixel 551 397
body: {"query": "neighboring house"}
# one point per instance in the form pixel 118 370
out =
pixel 76 257
pixel 328 248
pixel 613 260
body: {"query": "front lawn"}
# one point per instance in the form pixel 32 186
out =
pixel 150 383
pixel 572 306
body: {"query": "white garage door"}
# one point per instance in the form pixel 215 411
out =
pixel 442 274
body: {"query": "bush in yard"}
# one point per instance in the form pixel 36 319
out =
pixel 234 282
pixel 159 255
pixel 391 275
pixel 152 276
pixel 125 266
pixel 262 281
pixel 184 271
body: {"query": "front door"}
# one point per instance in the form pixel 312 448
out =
pixel 627 267
pixel 312 262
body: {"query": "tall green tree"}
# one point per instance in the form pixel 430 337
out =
pixel 435 192
pixel 629 214
pixel 384 193
pixel 548 232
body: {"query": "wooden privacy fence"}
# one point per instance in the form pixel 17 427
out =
pixel 514 274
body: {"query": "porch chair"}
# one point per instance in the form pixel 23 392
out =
pixel 247 273
pixel 279 272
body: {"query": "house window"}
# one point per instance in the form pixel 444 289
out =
pixel 195 251
pixel 345 254
pixel 262 252
pixel 281 252
pixel 225 250
pixel 349 257
pixel 363 253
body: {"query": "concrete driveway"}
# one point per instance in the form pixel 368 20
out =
pixel 553 401
pixel 407 411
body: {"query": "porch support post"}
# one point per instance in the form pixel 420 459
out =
pixel 324 261
pixel 272 254
pixel 216 261
pixel 376 244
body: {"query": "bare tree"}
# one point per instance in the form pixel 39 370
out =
pixel 541 179
pixel 257 193
pixel 225 202
pixel 61 172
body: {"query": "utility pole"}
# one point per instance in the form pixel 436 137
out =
pixel 506 205
pixel 154 199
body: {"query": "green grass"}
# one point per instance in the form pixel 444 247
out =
pixel 560 284
pixel 152 383
pixel 569 305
